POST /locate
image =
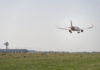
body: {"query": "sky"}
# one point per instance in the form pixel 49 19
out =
pixel 32 24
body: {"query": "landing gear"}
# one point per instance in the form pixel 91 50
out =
pixel 70 31
pixel 78 32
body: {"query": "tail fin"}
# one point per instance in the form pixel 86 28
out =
pixel 71 23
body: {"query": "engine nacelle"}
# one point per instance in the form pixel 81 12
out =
pixel 70 31
pixel 82 30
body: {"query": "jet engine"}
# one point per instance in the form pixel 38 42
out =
pixel 70 31
pixel 82 30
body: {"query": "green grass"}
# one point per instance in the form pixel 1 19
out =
pixel 40 61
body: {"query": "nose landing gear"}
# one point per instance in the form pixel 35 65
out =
pixel 78 32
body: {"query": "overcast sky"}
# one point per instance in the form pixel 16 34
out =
pixel 32 24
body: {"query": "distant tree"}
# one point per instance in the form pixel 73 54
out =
pixel 6 44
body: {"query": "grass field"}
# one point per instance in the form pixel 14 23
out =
pixel 41 61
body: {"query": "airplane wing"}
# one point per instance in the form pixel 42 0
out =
pixel 89 27
pixel 63 28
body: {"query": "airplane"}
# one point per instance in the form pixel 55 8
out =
pixel 75 28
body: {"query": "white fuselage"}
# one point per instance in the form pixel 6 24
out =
pixel 75 28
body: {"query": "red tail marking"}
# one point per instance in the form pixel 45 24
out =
pixel 71 23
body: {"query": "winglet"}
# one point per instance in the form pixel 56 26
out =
pixel 91 26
